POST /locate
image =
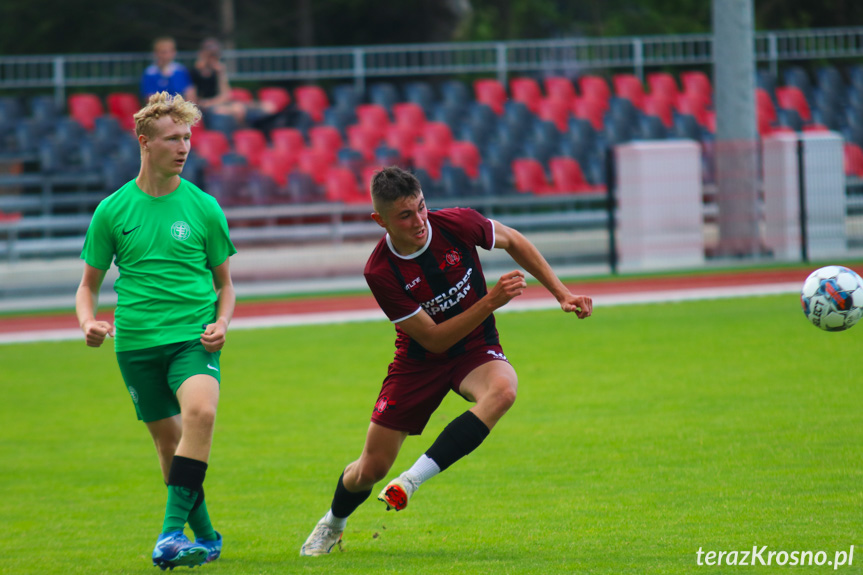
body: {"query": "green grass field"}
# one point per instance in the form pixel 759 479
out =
pixel 639 436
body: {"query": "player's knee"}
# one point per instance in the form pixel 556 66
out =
pixel 370 472
pixel 203 415
pixel 503 395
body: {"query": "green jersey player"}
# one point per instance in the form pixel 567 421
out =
pixel 170 243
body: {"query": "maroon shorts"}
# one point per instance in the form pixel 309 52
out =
pixel 413 390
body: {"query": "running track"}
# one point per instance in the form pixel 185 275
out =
pixel 336 309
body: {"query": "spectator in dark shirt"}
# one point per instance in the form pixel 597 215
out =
pixel 211 89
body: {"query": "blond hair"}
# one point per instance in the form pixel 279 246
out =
pixel 163 104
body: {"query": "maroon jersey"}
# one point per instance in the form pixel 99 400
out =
pixel 443 278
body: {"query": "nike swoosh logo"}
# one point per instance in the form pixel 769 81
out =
pixel 213 368
pixel 127 232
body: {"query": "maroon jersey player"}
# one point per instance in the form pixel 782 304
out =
pixel 443 279
pixel 426 276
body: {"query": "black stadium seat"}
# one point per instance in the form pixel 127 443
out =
pixel 455 93
pixel 346 96
pixel 383 94
pixel 455 183
pixel 420 93
pixel 10 109
pixel 43 108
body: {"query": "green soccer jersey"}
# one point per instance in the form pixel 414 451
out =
pixel 165 249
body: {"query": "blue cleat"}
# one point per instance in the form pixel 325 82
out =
pixel 214 548
pixel 175 550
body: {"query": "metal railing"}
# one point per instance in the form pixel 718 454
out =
pixel 43 235
pixel 359 64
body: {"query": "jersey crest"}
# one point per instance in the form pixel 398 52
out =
pixel 451 258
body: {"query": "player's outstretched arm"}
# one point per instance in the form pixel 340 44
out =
pixel 213 338
pixel 86 302
pixel 439 337
pixel 525 254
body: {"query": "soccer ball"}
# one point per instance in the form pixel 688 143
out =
pixel 832 298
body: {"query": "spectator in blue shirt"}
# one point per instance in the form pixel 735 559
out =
pixel 165 75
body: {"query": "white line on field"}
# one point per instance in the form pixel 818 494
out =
pixel 516 305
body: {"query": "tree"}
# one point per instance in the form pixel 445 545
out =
pixel 789 14
pixel 64 26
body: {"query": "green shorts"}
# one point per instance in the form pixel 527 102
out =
pixel 154 374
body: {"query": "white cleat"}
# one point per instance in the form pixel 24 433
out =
pixel 321 541
pixel 397 493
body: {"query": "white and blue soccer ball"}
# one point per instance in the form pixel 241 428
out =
pixel 832 298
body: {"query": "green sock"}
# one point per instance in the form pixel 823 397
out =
pixel 199 521
pixel 180 502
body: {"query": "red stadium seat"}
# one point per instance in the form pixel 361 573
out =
pixel 9 216
pixel 530 177
pixel 316 163
pixel 590 109
pixel 373 115
pixel 85 108
pixel 289 139
pixel 660 106
pixel 764 126
pixel 466 156
pixel 791 98
pixel 409 114
pixel 341 186
pixel 491 93
pixel 693 105
pixel 764 104
pixel 557 111
pixel 364 138
pixel 211 145
pixel 123 106
pixel 567 176
pixel 710 121
pixel 249 143
pixel 313 100
pixel 277 164
pixel 429 158
pixel 402 138
pixel 526 90
pixel 439 135
pixel 594 86
pixel 241 95
pixel 558 88
pixel 326 138
pixel 663 83
pixel 372 118
pixel 278 97
pixel 853 160
pixel 629 86
pixel 695 82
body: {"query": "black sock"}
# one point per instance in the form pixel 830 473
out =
pixel 460 437
pixel 345 502
pixel 188 473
